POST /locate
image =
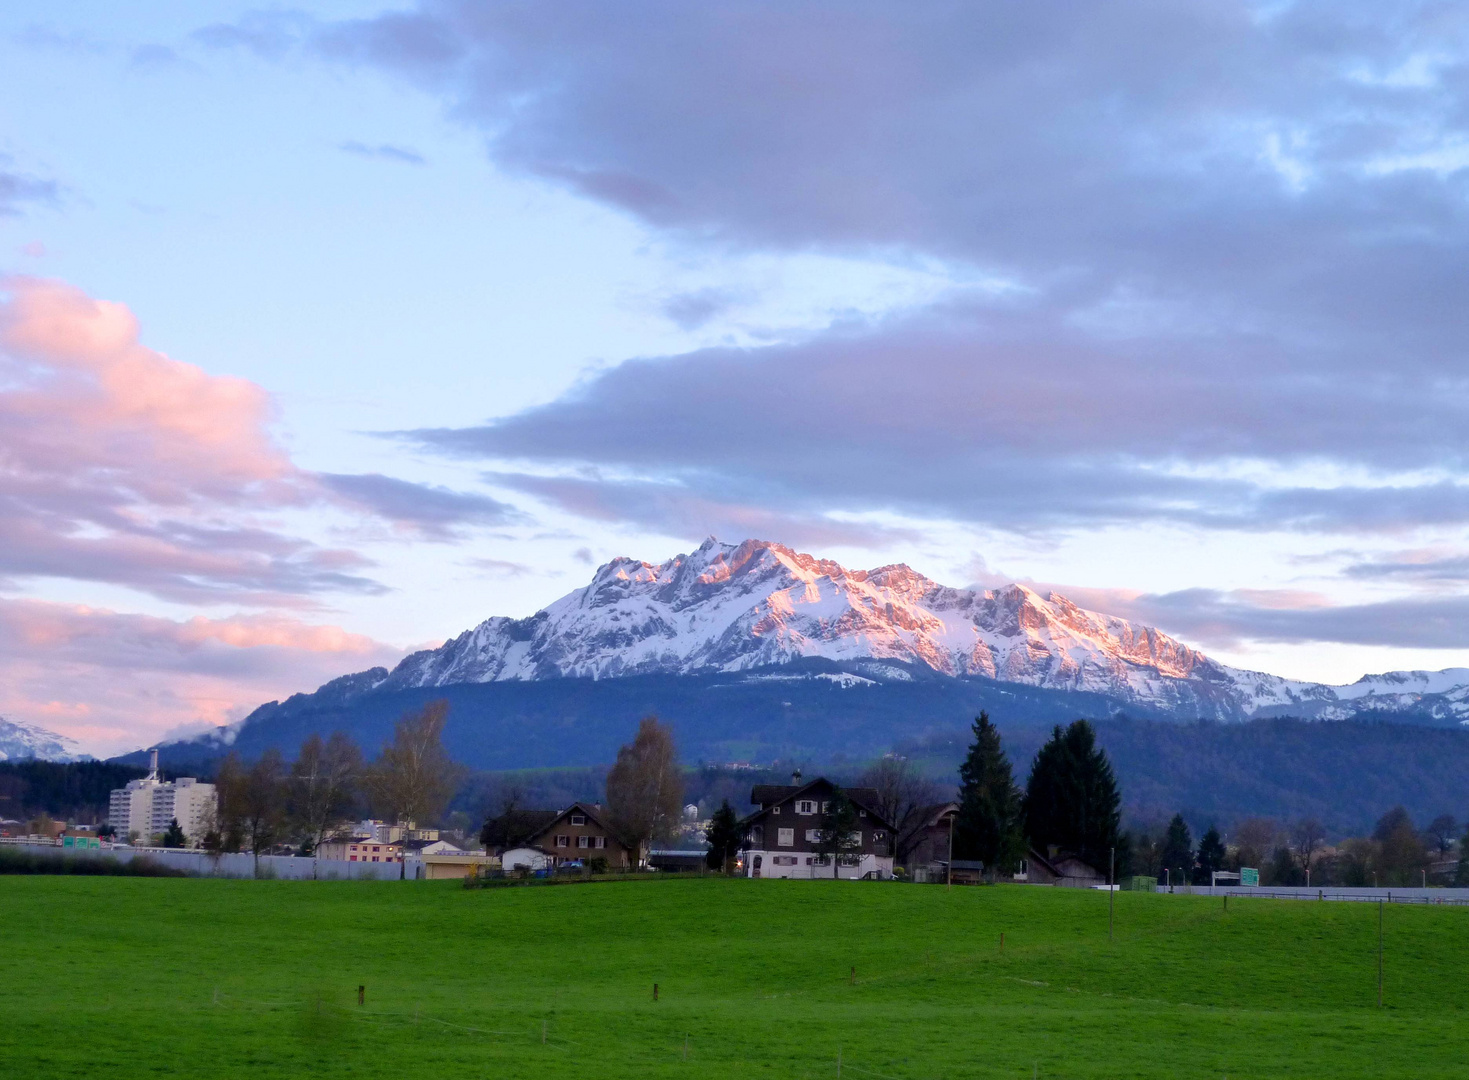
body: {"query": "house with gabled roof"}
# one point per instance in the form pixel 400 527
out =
pixel 783 835
pixel 580 831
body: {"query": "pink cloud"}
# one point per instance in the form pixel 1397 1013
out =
pixel 121 464
pixel 97 399
pixel 114 681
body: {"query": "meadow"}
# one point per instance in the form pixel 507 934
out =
pixel 134 977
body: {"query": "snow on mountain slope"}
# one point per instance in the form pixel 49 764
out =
pixel 21 741
pixel 734 607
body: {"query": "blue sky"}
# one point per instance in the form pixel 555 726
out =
pixel 1161 307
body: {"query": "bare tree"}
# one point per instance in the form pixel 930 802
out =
pixel 251 811
pixel 1307 836
pixel 644 788
pixel 903 793
pixel 323 784
pixel 414 777
pixel 1255 840
pixel 1443 831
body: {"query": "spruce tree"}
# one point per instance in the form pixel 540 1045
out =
pixel 988 824
pixel 1210 857
pixel 174 837
pixel 723 834
pixel 1178 851
pixel 1071 799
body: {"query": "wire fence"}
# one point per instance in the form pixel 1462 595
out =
pixel 1350 894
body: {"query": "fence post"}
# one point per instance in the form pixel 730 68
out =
pixel 1379 953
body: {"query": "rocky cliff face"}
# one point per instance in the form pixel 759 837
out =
pixel 733 607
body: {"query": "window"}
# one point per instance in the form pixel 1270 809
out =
pixel 825 806
pixel 377 849
pixel 775 809
pixel 374 858
pixel 861 813
pixel 601 842
pixel 784 860
pixel 813 836
pixel 805 806
pixel 578 819
pixel 352 858
pixel 785 837
pixel 583 841
pixel 879 837
pixel 563 841
pixel 757 835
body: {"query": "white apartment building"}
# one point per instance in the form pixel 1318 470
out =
pixel 146 806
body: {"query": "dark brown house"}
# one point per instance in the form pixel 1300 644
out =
pixel 580 831
pixel 783 833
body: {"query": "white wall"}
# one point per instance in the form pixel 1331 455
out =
pixel 235 865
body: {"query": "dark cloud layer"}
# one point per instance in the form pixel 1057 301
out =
pixel 1227 233
pixel 1216 619
pixel 433 512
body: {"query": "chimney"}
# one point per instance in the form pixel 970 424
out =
pixel 796 778
pixel 153 764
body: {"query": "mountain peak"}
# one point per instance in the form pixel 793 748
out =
pixel 732 607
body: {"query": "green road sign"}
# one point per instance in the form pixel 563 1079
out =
pixel 1248 876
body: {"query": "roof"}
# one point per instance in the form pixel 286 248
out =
pixel 766 795
pixel 595 814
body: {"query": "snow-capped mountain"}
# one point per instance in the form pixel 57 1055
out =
pixel 729 608
pixel 19 741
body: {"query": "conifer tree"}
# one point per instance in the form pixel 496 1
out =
pixel 1071 799
pixel 988 826
pixel 723 834
pixel 174 837
pixel 1210 857
pixel 1178 850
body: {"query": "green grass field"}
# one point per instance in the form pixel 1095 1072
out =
pixel 210 978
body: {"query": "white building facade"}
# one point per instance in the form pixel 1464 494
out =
pixel 785 833
pixel 145 807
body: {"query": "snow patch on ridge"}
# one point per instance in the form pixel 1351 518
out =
pixel 736 607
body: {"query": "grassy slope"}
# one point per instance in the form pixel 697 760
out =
pixel 117 977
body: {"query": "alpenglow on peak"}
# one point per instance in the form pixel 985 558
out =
pixel 733 607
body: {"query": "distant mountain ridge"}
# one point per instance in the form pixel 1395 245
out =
pixel 755 652
pixel 19 742
pixel 736 607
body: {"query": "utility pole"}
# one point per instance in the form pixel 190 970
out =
pixel 1111 894
pixel 1379 953
pixel 949 866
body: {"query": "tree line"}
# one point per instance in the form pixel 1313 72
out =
pixel 644 796
pixel 1396 853
pixel 269 802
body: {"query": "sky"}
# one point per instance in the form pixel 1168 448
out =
pixel 328 332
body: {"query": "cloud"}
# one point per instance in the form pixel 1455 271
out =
pixel 691 310
pixel 500 567
pixel 1429 568
pixel 680 511
pixel 428 511
pixel 1226 619
pixel 116 681
pixel 120 464
pixel 1232 243
pixel 267 34
pixel 383 151
pixel 18 189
